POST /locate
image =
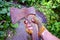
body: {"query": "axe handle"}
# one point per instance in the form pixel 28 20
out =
pixel 35 33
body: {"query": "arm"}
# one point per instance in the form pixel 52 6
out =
pixel 46 35
pixel 43 32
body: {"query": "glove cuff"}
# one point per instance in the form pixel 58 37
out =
pixel 41 30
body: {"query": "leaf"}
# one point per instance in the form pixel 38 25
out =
pixel 1 26
pixel 8 9
pixel 33 0
pixel 6 25
pixel 4 11
pixel 19 6
pixel 14 25
pixel 1 5
pixel 29 0
pixel 8 13
pixel 8 18
pixel 0 0
pixel 58 1
pixel 1 18
pixel 23 1
pixel 2 34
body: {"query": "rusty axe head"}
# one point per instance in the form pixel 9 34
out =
pixel 18 14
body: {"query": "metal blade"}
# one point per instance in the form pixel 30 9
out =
pixel 18 14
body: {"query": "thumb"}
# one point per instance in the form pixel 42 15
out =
pixel 33 20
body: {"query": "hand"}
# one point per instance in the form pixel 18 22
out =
pixel 28 27
pixel 41 27
pixel 35 20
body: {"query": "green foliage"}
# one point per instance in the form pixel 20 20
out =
pixel 14 25
pixel 5 21
pixel 55 29
pixel 2 34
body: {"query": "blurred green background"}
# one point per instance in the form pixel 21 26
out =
pixel 50 8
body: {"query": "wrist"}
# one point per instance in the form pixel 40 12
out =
pixel 43 33
pixel 41 30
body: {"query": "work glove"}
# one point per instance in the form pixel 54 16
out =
pixel 35 20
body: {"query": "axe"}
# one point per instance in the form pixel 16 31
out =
pixel 19 14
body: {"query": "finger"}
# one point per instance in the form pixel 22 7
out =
pixel 33 20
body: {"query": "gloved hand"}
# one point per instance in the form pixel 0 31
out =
pixel 34 20
pixel 40 26
pixel 29 28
